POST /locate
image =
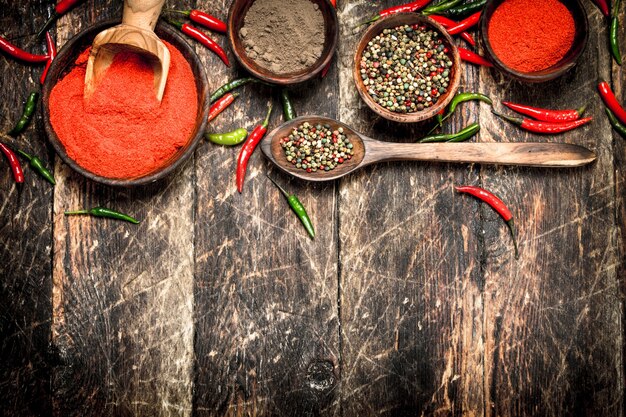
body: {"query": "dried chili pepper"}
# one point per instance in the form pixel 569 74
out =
pixel 495 203
pixel 288 110
pixel 441 7
pixel 249 147
pixel 14 163
pixel 230 86
pixel 52 53
pixel 21 54
pixel 460 136
pixel 37 165
pixel 611 102
pixel 229 138
pixel 201 37
pixel 204 19
pixel 221 104
pixel 466 8
pixel 104 212
pixel 544 127
pixel 60 9
pixel 620 128
pixel 465 24
pixel 471 57
pixel 297 208
pixel 546 115
pixel 29 109
pixel 614 33
pixel 403 8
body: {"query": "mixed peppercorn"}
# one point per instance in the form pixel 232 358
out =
pixel 406 69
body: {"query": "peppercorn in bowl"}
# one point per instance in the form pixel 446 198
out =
pixel 406 68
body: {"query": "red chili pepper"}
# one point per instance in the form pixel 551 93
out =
pixel 611 102
pixel 18 173
pixel 469 56
pixel 203 38
pixel 248 148
pixel 20 54
pixel 495 203
pixel 468 38
pixel 465 24
pixel 52 53
pixel 603 6
pixel 544 127
pixel 446 22
pixel 334 3
pixel 204 19
pixel 221 104
pixel 403 8
pixel 546 115
pixel 60 9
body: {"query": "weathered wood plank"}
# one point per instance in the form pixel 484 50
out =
pixel 411 304
pixel 265 293
pixel 123 294
pixel 25 231
pixel 553 336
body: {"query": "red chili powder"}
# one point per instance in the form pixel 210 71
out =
pixel 123 131
pixel 531 35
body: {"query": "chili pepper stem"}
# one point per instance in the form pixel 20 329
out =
pixel 267 118
pixel 70 213
pixel 174 23
pixel 511 225
pixel 581 110
pixel 46 25
pixel 367 22
pixel 514 120
pixel 183 12
pixel 282 190
pixel 24 154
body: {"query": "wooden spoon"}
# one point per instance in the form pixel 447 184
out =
pixel 136 34
pixel 368 151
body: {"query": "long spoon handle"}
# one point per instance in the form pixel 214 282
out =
pixel 527 154
pixel 142 13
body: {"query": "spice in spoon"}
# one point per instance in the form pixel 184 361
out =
pixel 407 68
pixel 27 115
pixel 297 208
pixel 316 147
pixel 104 212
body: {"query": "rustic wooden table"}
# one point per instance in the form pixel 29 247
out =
pixel 409 301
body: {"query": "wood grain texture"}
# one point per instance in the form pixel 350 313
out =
pixel 265 293
pixel 123 294
pixel 25 232
pixel 410 301
pixel 552 318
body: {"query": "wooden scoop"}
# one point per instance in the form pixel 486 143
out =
pixel 136 34
pixel 368 151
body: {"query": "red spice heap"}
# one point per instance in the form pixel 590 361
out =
pixel 531 35
pixel 123 131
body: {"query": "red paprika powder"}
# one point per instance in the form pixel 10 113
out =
pixel 531 35
pixel 123 131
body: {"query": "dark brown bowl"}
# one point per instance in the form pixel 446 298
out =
pixel 64 63
pixel 399 20
pixel 236 15
pixel 569 60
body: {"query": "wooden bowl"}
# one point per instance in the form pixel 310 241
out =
pixel 400 20
pixel 63 64
pixel 569 60
pixel 236 15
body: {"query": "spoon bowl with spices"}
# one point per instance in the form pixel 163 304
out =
pixel 336 150
pixel 406 68
pixel 283 42
pixel 534 40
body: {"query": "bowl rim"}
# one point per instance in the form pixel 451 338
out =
pixel 539 76
pixel 283 79
pixel 175 162
pixel 419 116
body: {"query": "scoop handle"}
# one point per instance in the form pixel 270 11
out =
pixel 142 13
pixel 527 154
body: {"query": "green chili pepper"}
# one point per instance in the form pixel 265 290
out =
pixel 288 110
pixel 461 136
pixel 458 99
pixel 29 109
pixel 441 7
pixel 298 208
pixel 104 212
pixel 228 139
pixel 37 165
pixel 614 33
pixel 466 9
pixel 619 127
pixel 230 86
